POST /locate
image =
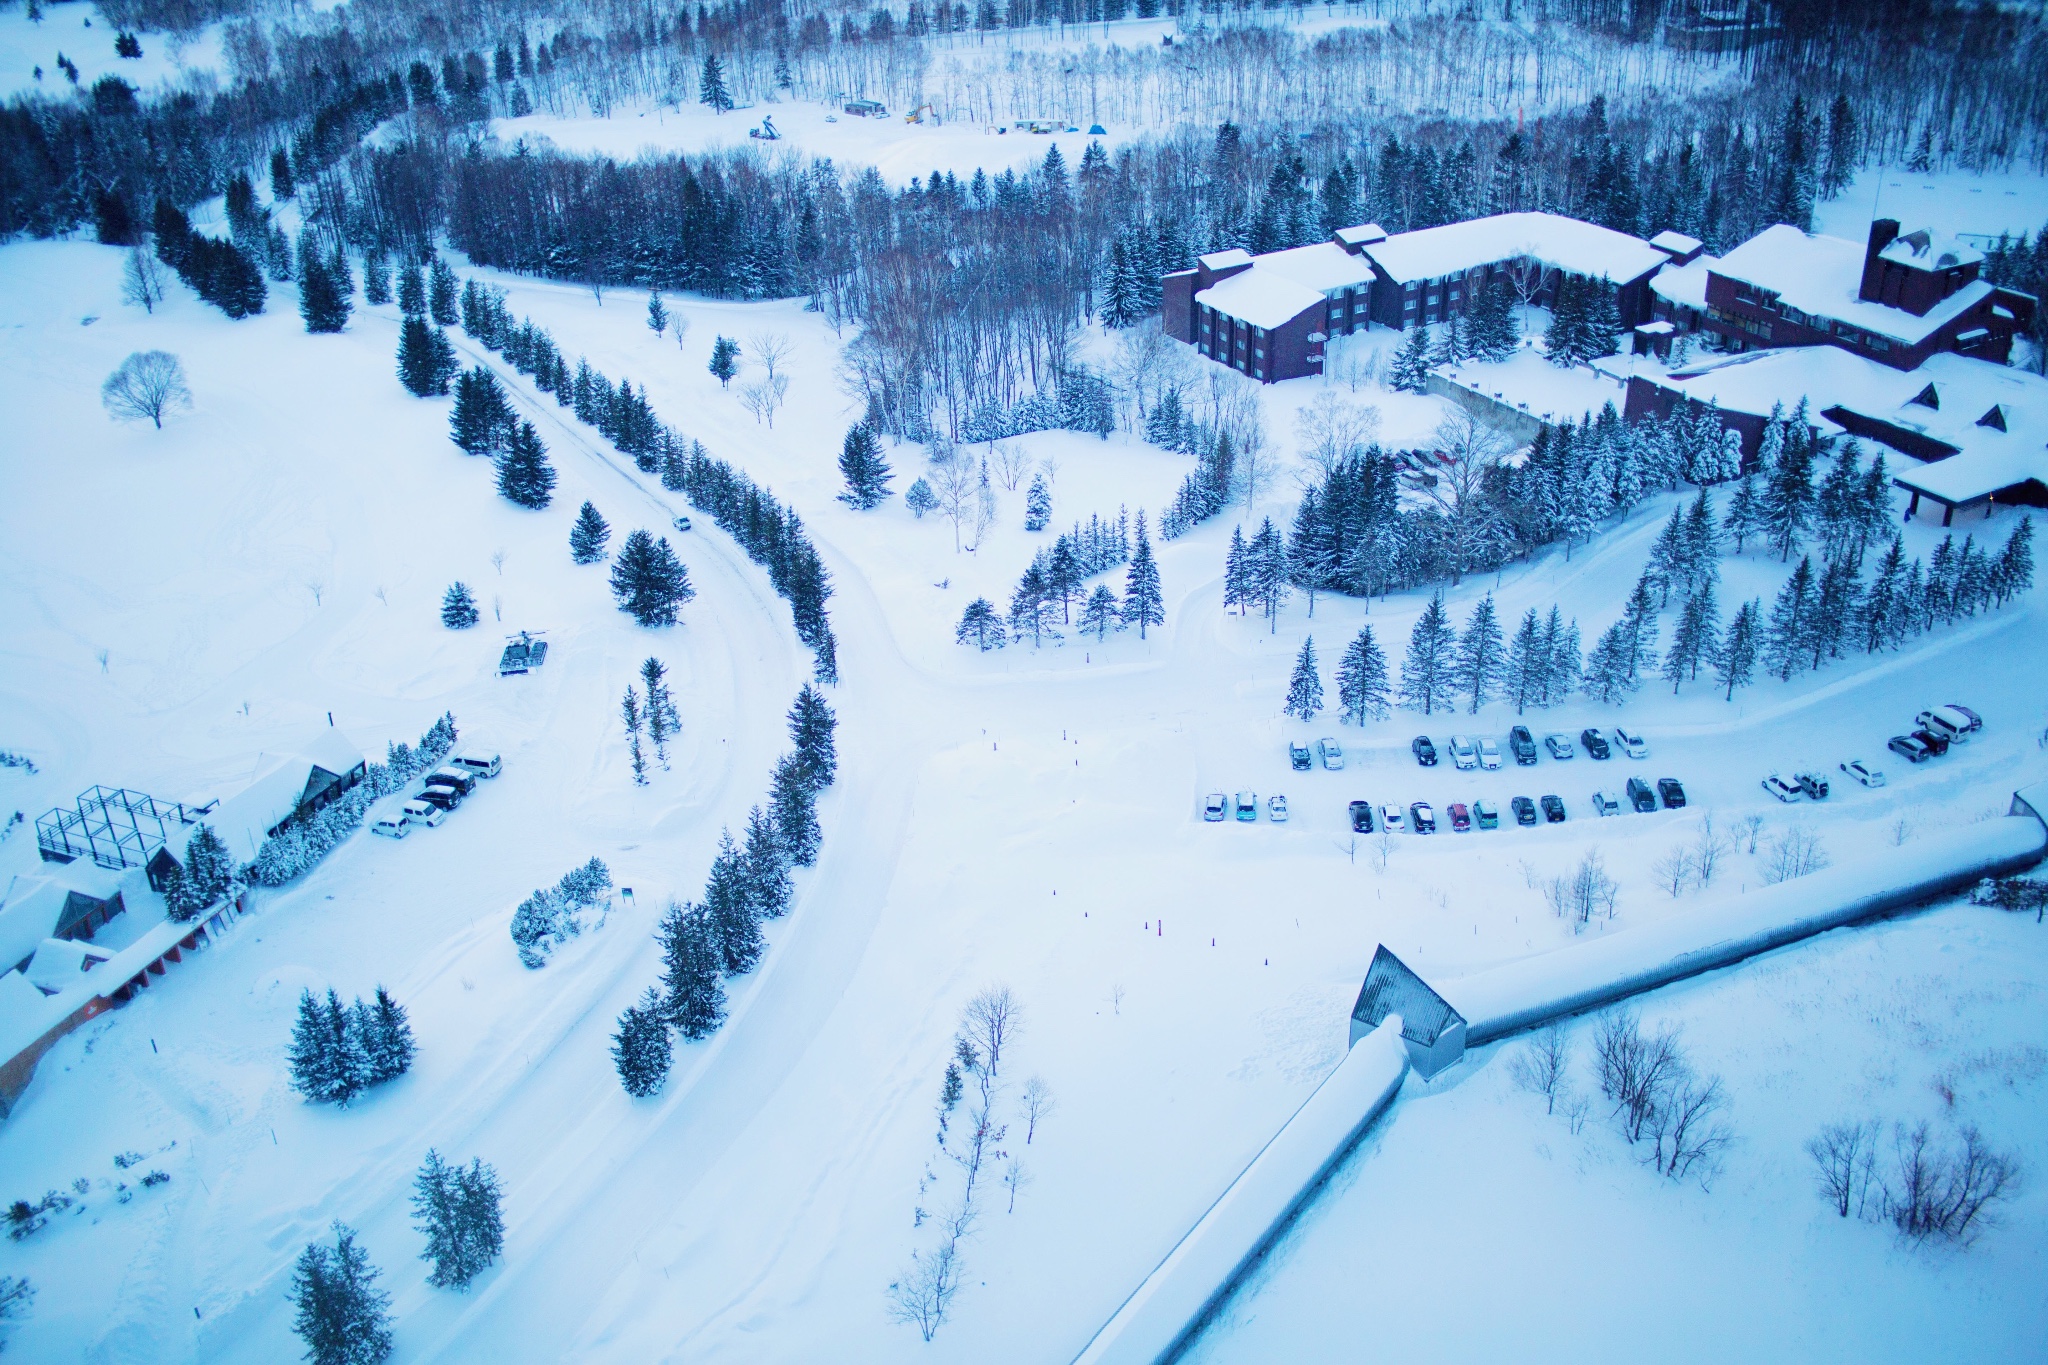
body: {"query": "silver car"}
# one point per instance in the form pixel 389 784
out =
pixel 1489 755
pixel 1332 752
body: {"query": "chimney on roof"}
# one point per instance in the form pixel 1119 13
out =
pixel 1871 290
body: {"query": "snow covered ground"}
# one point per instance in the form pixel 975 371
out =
pixel 1469 1189
pixel 26 45
pixel 1956 201
pixel 1025 817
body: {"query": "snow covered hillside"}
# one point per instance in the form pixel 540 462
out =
pixel 180 600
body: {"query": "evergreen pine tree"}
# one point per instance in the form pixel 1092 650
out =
pixel 1602 321
pixel 662 718
pixel 920 499
pixel 2015 571
pixel 792 802
pixel 711 85
pixel 1745 515
pixel 1266 572
pixel 481 421
pixel 1737 660
pixel 1565 340
pixel 1834 608
pixel 1411 363
pixel 458 608
pixel 641 1049
pixel 1037 504
pixel 376 278
pixel 1879 609
pixel 1099 614
pixel 426 362
pixel 1696 638
pixel 692 971
pixel 1527 663
pixel 434 1214
pixel 1481 655
pixel 1667 557
pixel 811 729
pixel 1164 425
pixel 322 302
pixel 209 868
pixel 1144 599
pixel 981 627
pixel 1427 671
pixel 730 910
pixel 315 1061
pixel 649 582
pixel 1566 664
pixel 860 462
pixel 349 1067
pixel 1788 496
pixel 1786 641
pixel 386 1040
pixel 1305 688
pixel 589 536
pixel 725 359
pixel 441 294
pixel 1362 680
pixel 767 867
pixel 1236 573
pixel 342 1316
pixel 412 292
pixel 1608 676
pixel 657 314
pixel 635 721
pixel 524 474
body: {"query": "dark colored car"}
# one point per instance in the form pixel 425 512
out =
pixel 1361 817
pixel 1640 796
pixel 1523 744
pixel 1461 818
pixel 1910 747
pixel 1421 818
pixel 1595 744
pixel 1525 810
pixel 447 798
pixel 1673 794
pixel 1299 758
pixel 1424 751
pixel 1938 743
pixel 1553 809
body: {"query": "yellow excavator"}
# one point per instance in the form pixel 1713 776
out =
pixel 921 113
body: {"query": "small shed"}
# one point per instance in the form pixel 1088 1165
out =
pixel 1432 1030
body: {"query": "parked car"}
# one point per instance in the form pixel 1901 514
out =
pixel 1461 818
pixel 1604 803
pixel 1933 739
pixel 1910 747
pixel 1464 753
pixel 1392 819
pixel 1333 754
pixel 1523 745
pixel 1560 746
pixel 1215 807
pixel 1950 722
pixel 1631 743
pixel 1524 809
pixel 391 827
pixel 1863 773
pixel 479 764
pixel 1780 788
pixel 1595 743
pixel 1553 810
pixel 443 799
pixel 1976 721
pixel 459 778
pixel 1421 817
pixel 1489 755
pixel 1299 758
pixel 1247 805
pixel 682 523
pixel 1424 751
pixel 1276 809
pixel 1813 784
pixel 1673 794
pixel 1641 796
pixel 423 813
pixel 1361 817
pixel 1486 815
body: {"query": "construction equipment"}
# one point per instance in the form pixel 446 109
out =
pixel 918 114
pixel 523 655
pixel 767 132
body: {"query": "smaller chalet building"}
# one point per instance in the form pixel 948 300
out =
pixel 71 901
pixel 288 787
pixel 1896 299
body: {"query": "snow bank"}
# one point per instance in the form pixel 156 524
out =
pixel 1522 994
pixel 1178 1298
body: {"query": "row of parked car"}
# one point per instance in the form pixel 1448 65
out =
pixel 1467 753
pixel 1934 730
pixel 1420 816
pixel 441 791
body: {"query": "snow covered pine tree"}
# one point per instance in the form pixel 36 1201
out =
pixel 458 607
pixel 524 475
pixel 589 536
pixel 650 583
pixel 866 473
pixel 343 1317
pixel 457 1211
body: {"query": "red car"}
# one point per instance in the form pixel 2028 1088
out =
pixel 1461 819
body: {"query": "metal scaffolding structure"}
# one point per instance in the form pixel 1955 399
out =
pixel 113 826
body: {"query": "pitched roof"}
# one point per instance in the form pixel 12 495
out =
pixel 1260 299
pixel 30 914
pixel 1685 285
pixel 1391 988
pixel 1821 276
pixel 1927 249
pixel 1568 244
pixel 244 819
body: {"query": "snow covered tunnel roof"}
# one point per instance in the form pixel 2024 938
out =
pixel 1566 243
pixel 1392 988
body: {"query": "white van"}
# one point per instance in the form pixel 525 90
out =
pixel 477 764
pixel 422 813
pixel 392 827
pixel 1950 722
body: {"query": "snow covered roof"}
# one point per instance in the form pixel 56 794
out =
pixel 1821 275
pixel 1391 988
pixel 1676 243
pixel 1685 285
pixel 1566 243
pixel 59 962
pixel 1227 259
pixel 28 916
pixel 1321 267
pixel 1260 299
pixel 1365 235
pixel 1927 249
pixel 245 819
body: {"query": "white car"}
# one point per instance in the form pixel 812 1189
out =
pixel 1276 809
pixel 1631 743
pixel 1489 755
pixel 1464 756
pixel 1332 752
pixel 1604 803
pixel 478 764
pixel 1393 819
pixel 1952 723
pixel 1215 807
pixel 422 813
pixel 392 827
pixel 1785 791
pixel 1863 772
